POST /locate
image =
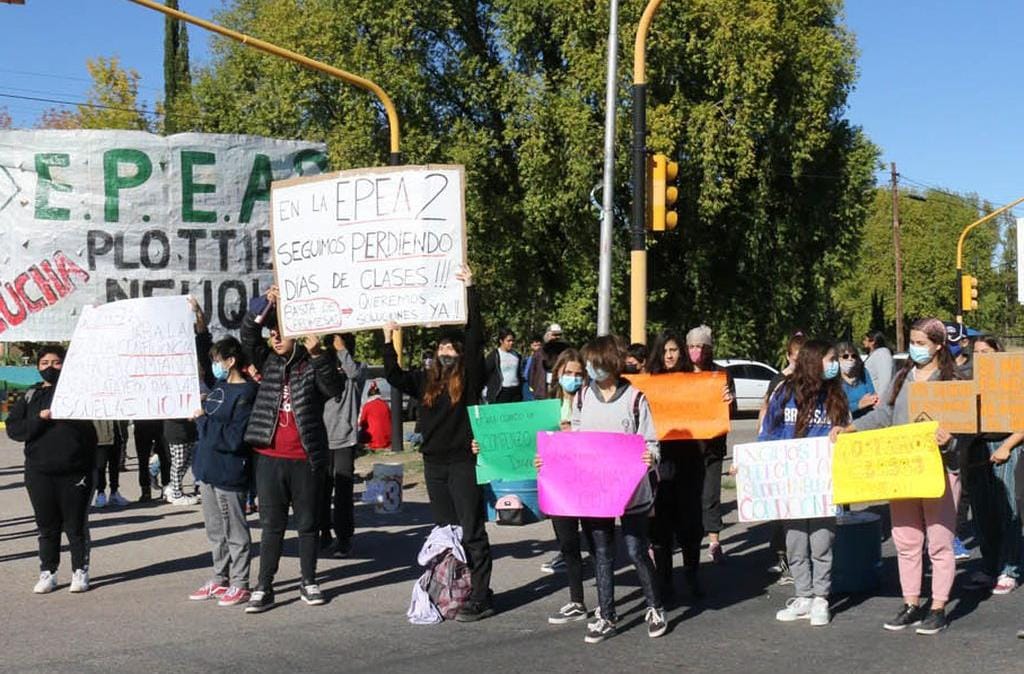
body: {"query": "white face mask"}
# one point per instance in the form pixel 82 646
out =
pixel 846 366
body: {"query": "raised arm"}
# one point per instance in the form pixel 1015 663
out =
pixel 407 382
pixel 251 332
pixel 475 378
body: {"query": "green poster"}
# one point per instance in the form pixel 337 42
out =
pixel 507 435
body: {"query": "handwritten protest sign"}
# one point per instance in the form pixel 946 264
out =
pixel 686 405
pixel 588 474
pixel 784 479
pixel 887 464
pixel 134 359
pixel 507 435
pixel 1000 378
pixel 954 404
pixel 356 249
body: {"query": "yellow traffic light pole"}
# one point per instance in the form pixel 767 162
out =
pixel 960 254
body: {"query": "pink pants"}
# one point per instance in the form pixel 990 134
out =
pixel 911 520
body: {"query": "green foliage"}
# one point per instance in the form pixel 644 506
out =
pixel 177 104
pixel 113 101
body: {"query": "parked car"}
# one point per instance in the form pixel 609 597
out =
pixel 751 379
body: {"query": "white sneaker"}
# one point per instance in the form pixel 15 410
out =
pixel 185 501
pixel 79 581
pixel 168 494
pixel 117 500
pixel 819 612
pixel 47 583
pixel 100 501
pixel 797 608
pixel 1005 585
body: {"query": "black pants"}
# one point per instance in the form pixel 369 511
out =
pixel 567 531
pixel 149 438
pixel 108 460
pixel 711 494
pixel 284 483
pixel 339 480
pixel 61 503
pixel 511 394
pixel 679 514
pixel 456 499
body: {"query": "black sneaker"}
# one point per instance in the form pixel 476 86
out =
pixel 933 623
pixel 472 611
pixel 311 594
pixel 908 615
pixel 554 565
pixel 145 496
pixel 656 623
pixel 325 542
pixel 341 548
pixel 260 601
pixel 569 613
pixel 599 629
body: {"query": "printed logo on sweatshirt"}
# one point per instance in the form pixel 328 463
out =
pixel 819 418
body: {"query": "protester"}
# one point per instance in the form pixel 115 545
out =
pixel 857 385
pixel 544 360
pixel 503 371
pixel 151 447
pixel 108 462
pixel 375 420
pixel 59 461
pixel 636 358
pixel 287 429
pixel 879 362
pixel 959 344
pixel 221 468
pixel 915 519
pixel 535 345
pixel 807 405
pixel 453 383
pixel 341 416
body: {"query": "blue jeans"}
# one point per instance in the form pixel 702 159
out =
pixel 996 513
pixel 634 530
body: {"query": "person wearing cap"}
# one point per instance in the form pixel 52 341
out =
pixel 544 361
pixel 959 344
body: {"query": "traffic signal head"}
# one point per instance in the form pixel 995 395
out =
pixel 662 193
pixel 968 292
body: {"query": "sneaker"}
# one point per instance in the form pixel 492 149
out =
pixel 797 608
pixel 185 501
pixel 979 580
pixel 934 623
pixel 715 553
pixel 117 500
pixel 554 565
pixel 656 623
pixel 571 612
pixel 146 496
pixel 168 494
pixel 960 550
pixel 260 601
pixel 909 615
pixel 786 578
pixel 47 583
pixel 234 596
pixel 79 581
pixel 211 590
pixel 100 501
pixel 780 567
pixel 250 508
pixel 472 611
pixel 1005 585
pixel 819 612
pixel 340 548
pixel 599 629
pixel 311 594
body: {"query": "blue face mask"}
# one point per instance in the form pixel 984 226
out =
pixel 219 371
pixel 954 348
pixel 594 373
pixel 570 383
pixel 919 354
pixel 831 370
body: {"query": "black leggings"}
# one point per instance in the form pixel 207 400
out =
pixel 149 438
pixel 61 503
pixel 567 530
pixel 108 460
pixel 339 480
pixel 455 498
pixel 284 483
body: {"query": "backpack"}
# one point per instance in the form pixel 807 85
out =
pixel 449 586
pixel 636 406
pixel 510 510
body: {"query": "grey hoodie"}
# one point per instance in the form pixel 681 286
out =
pixel 341 413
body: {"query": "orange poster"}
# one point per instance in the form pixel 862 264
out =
pixel 1000 378
pixel 686 405
pixel 954 404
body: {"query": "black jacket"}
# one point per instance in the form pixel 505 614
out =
pixel 55 447
pixel 492 373
pixel 445 427
pixel 313 380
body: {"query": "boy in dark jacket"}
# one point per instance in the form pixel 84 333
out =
pixel 287 429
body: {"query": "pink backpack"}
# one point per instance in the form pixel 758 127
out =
pixel 450 585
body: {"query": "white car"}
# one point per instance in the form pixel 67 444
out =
pixel 751 379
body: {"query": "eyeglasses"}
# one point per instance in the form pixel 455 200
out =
pixel 848 356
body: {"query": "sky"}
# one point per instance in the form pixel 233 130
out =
pixel 938 86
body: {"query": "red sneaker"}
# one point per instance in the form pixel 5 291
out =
pixel 209 591
pixel 234 596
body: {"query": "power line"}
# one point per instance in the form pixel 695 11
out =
pixel 62 77
pixel 84 105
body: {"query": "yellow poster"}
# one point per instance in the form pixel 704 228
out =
pixel 888 464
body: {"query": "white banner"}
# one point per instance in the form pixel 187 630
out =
pixel 784 479
pixel 88 217
pixel 356 249
pixel 134 359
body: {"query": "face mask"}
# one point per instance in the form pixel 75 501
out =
pixel 831 370
pixel 846 366
pixel 919 354
pixel 596 374
pixel 632 369
pixel 50 375
pixel 696 354
pixel 219 371
pixel 570 383
pixel 954 349
pixel 446 361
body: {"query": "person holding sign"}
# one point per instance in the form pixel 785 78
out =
pixel 453 382
pixel 59 461
pixel 287 429
pixel 806 405
pixel 918 519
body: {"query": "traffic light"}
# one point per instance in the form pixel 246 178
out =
pixel 662 194
pixel 968 292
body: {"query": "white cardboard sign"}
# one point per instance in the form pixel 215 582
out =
pixel 133 359
pixel 356 249
pixel 784 479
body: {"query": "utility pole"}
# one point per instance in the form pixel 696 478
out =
pixel 900 346
pixel 604 285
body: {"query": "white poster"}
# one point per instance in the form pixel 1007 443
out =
pixel 88 217
pixel 784 479
pixel 356 249
pixel 133 359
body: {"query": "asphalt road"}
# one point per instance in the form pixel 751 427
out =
pixel 146 559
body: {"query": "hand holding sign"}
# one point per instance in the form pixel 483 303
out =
pixel 891 463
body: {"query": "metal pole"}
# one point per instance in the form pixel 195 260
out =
pixel 397 439
pixel 899 259
pixel 604 283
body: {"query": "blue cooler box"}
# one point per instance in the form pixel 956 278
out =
pixel 526 490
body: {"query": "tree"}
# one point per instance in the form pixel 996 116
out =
pixel 112 101
pixel 5 119
pixel 177 76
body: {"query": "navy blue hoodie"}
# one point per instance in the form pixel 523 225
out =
pixel 222 455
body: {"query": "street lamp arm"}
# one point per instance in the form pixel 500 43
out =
pixel 968 228
pixel 640 46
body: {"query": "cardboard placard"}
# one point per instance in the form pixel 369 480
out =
pixel 1000 378
pixel 784 479
pixel 887 464
pixel 356 249
pixel 507 435
pixel 686 405
pixel 954 404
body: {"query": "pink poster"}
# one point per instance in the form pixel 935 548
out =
pixel 587 474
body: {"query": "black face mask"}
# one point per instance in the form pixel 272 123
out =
pixel 632 369
pixel 446 361
pixel 50 375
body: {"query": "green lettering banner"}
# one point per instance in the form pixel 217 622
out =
pixel 507 435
